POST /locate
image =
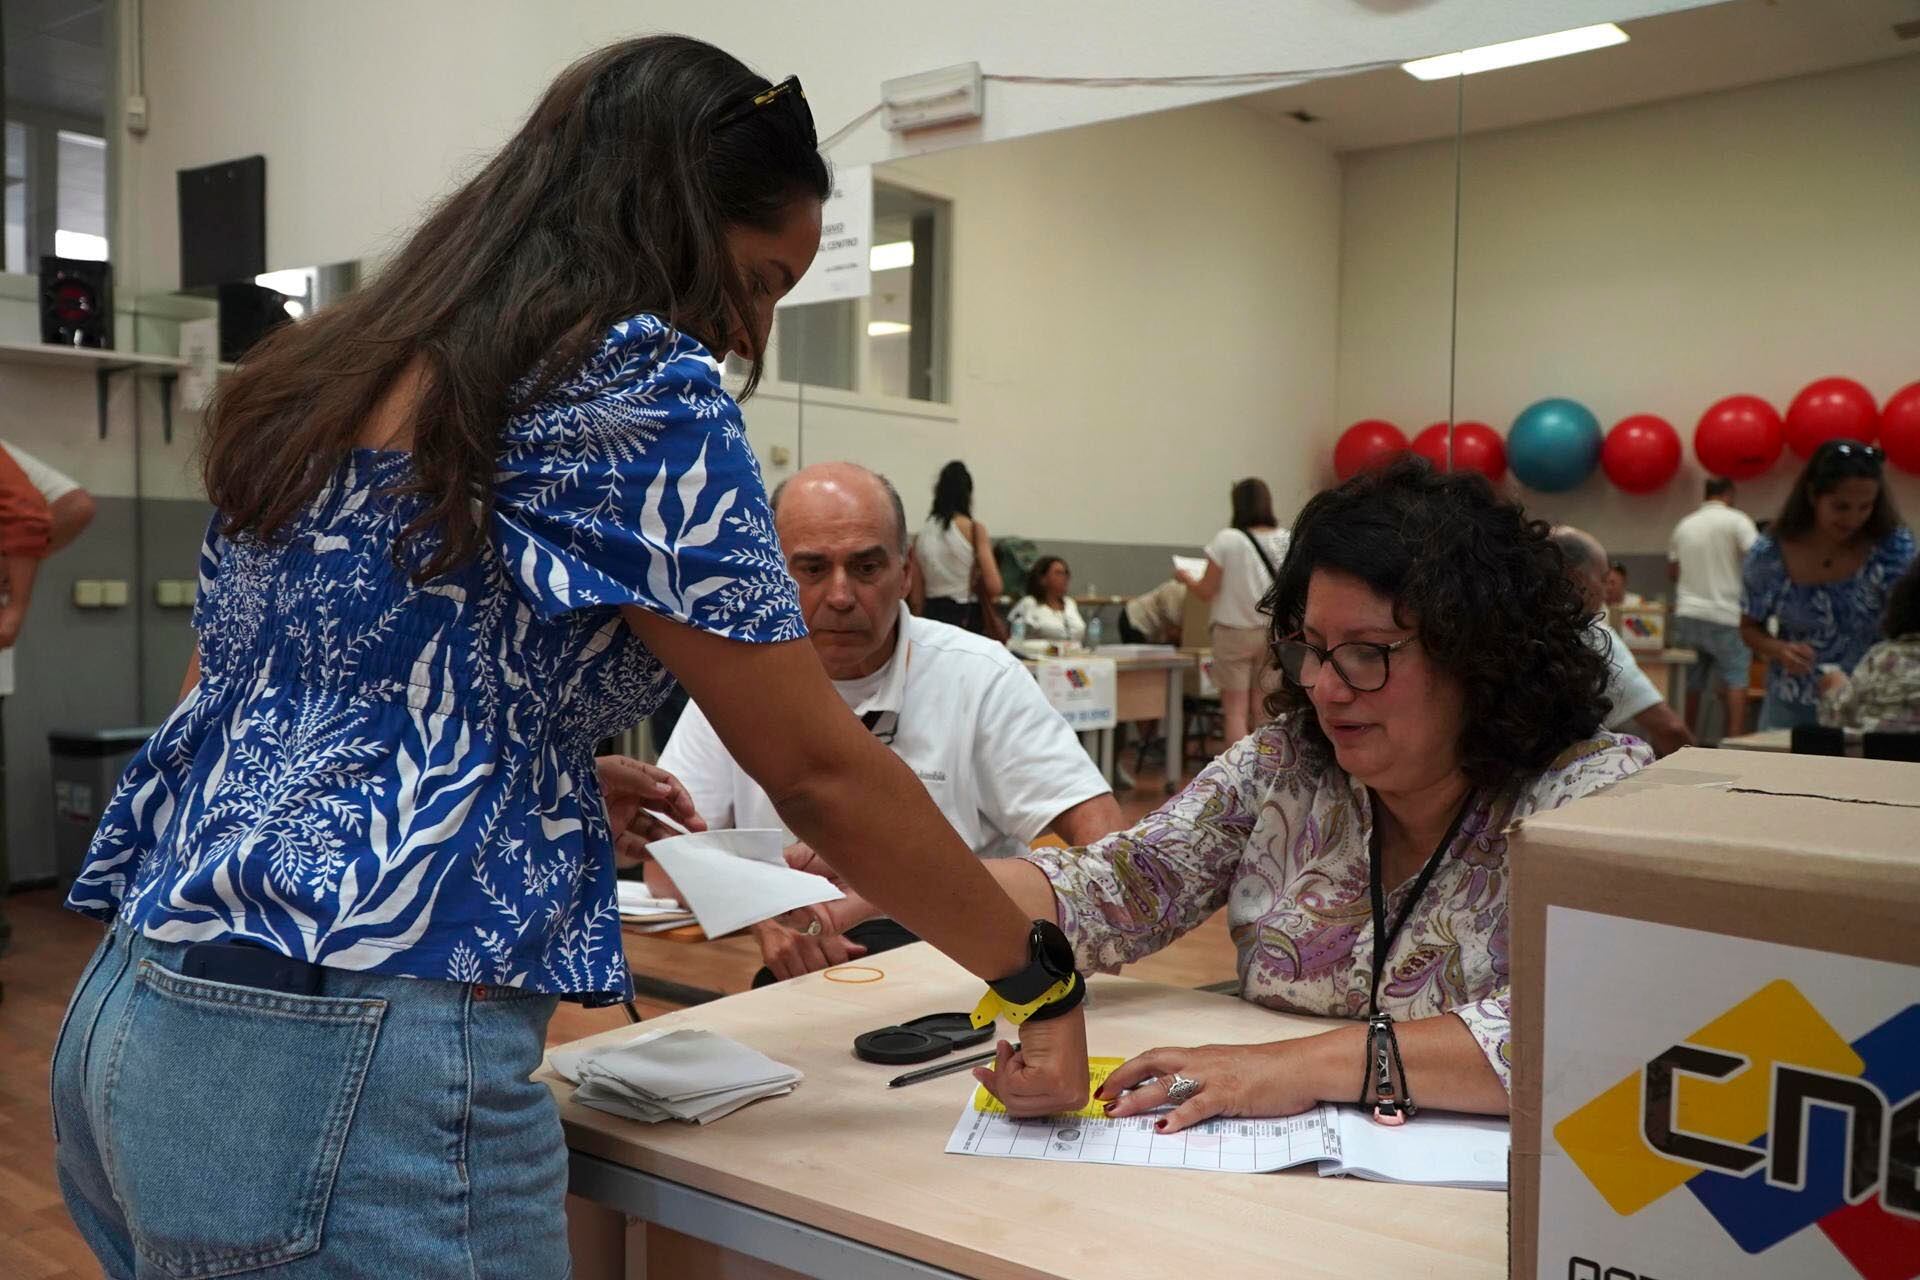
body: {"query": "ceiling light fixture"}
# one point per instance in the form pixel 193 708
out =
pixel 892 256
pixel 1513 53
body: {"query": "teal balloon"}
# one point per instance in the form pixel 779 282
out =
pixel 1554 445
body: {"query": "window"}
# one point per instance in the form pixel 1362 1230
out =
pixel 80 175
pixel 894 342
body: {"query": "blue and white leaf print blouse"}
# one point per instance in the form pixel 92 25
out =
pixel 381 776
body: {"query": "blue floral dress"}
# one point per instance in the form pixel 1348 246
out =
pixel 1841 620
pixel 381 776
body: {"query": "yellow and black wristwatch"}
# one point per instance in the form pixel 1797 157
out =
pixel 1048 987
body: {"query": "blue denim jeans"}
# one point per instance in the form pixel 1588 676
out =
pixel 383 1127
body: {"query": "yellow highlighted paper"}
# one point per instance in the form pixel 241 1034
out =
pixel 1098 1069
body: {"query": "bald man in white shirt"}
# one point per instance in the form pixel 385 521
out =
pixel 971 722
pixel 1637 705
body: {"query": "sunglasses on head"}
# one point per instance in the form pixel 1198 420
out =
pixel 1850 456
pixel 787 92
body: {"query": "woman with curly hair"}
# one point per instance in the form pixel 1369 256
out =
pixel 1439 685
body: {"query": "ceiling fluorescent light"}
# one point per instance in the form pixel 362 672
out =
pixel 886 328
pixel 890 257
pixel 1515 52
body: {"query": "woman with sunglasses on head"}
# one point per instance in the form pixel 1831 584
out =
pixel 1822 574
pixel 468 521
pixel 1438 686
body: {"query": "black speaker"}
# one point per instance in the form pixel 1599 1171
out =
pixel 248 313
pixel 76 303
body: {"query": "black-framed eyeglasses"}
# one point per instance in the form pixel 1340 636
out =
pixel 1363 664
pixel 1849 455
pixel 787 91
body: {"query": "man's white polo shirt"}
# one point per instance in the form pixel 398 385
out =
pixel 963 714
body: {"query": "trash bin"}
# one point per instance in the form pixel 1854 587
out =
pixel 85 764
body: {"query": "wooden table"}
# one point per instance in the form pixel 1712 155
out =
pixel 1781 740
pixel 846 1178
pixel 1145 688
pixel 1667 669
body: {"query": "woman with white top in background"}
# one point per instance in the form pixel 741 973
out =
pixel 957 578
pixel 1047 612
pixel 1241 562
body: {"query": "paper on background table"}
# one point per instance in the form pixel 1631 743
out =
pixel 731 879
pixel 1194 565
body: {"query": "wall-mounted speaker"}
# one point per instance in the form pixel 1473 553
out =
pixel 76 302
pixel 248 313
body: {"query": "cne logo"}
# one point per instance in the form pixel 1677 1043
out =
pixel 1776 1125
pixel 1078 678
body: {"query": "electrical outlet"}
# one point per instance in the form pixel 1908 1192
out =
pixel 173 593
pixel 135 114
pixel 113 593
pixel 88 594
pixel 780 456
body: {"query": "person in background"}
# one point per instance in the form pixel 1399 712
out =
pixel 41 512
pixel 1439 687
pixel 1822 576
pixel 956 578
pixel 1704 560
pixel 470 519
pixel 1616 588
pixel 1883 693
pixel 1634 701
pixel 959 709
pixel 1242 560
pixel 1047 612
pixel 1156 616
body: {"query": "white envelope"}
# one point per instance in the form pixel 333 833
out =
pixel 731 879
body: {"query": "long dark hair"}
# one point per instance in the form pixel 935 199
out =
pixel 1486 589
pixel 613 199
pixel 1252 505
pixel 952 494
pixel 1036 575
pixel 1832 462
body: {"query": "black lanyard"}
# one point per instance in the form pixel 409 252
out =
pixel 1383 937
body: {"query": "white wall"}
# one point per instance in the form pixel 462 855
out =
pixel 365 109
pixel 1648 260
pixel 1141 313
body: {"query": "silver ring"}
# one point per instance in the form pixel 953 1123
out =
pixel 813 929
pixel 1180 1088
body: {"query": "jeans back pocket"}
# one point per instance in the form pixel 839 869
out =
pixel 226 1113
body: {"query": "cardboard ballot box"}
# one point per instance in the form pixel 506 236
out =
pixel 1716 977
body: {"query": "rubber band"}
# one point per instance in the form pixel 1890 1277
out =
pixel 852 968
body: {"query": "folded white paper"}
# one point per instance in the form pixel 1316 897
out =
pixel 1193 566
pixel 689 1075
pixel 731 879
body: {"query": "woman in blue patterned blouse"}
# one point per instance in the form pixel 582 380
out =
pixel 468 520
pixel 1823 571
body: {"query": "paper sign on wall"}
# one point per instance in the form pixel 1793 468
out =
pixel 843 267
pixel 1083 690
pixel 1718 1106
pixel 200 348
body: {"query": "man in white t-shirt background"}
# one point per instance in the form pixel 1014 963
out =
pixel 1705 558
pixel 1638 707
pixel 959 709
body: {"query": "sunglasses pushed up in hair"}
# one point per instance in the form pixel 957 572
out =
pixel 1848 457
pixel 787 94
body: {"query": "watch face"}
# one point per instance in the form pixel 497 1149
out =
pixel 1050 946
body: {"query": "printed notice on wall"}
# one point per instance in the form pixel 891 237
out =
pixel 1716 1106
pixel 843 267
pixel 1083 690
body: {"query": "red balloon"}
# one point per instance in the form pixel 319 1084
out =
pixel 1830 409
pixel 1366 444
pixel 1641 453
pixel 1739 437
pixel 1900 428
pixel 1476 447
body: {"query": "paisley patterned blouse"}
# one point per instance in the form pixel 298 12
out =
pixel 379 775
pixel 1281 841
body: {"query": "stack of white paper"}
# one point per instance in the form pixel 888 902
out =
pixel 673 1075
pixel 732 879
pixel 639 908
